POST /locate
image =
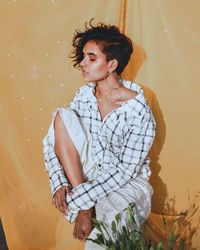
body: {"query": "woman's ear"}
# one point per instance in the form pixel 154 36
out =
pixel 112 65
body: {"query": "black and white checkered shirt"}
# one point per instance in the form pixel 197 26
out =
pixel 120 145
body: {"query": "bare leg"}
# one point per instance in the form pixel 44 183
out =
pixel 67 153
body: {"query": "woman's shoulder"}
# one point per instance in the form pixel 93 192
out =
pixel 131 91
pixel 137 107
pixel 128 94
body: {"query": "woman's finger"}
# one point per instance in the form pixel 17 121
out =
pixel 68 191
pixel 63 203
pixel 60 205
pixel 65 207
pixel 57 203
pixel 78 234
pixel 59 200
pixel 81 234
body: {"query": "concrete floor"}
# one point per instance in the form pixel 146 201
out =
pixel 3 244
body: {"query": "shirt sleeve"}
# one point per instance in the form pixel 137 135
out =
pixel 136 145
pixel 57 178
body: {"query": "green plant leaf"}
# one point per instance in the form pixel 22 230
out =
pixel 160 246
pixel 96 241
pixel 129 237
pixel 171 240
pixel 118 218
pixel 114 229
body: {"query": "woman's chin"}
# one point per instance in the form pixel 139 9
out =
pixel 87 79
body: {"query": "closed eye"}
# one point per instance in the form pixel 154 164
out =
pixel 92 58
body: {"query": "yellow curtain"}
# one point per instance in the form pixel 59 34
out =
pixel 37 76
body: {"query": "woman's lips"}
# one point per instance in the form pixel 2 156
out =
pixel 84 72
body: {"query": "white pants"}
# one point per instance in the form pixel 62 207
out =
pixel 137 190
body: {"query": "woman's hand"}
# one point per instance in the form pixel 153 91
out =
pixel 83 224
pixel 59 199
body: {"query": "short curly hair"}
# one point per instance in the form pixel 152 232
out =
pixel 113 43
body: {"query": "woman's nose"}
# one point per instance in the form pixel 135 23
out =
pixel 83 63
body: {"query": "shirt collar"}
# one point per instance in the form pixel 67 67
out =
pixel 137 103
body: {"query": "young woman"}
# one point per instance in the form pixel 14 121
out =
pixel 96 149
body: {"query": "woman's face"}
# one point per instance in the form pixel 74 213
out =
pixel 94 65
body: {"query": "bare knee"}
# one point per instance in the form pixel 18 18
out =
pixel 61 132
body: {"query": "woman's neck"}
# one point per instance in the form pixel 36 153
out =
pixel 105 87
